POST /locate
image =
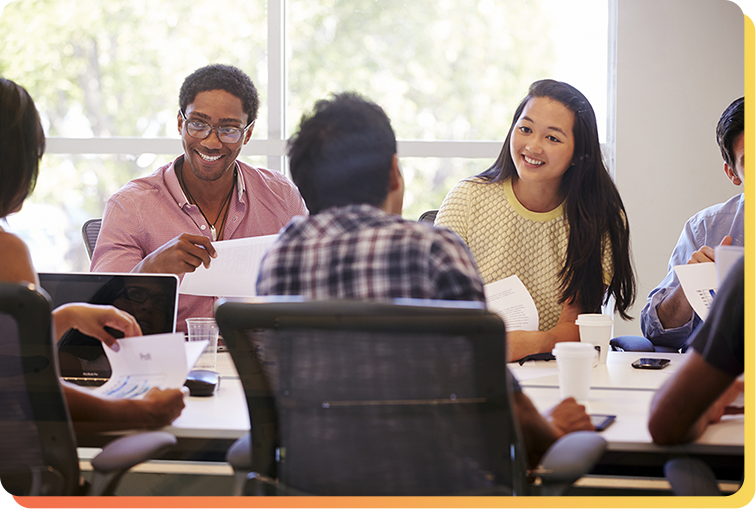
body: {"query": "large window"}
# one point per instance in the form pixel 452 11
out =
pixel 105 76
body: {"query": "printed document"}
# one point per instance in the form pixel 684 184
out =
pixel 233 273
pixel 143 362
pixel 700 281
pixel 509 299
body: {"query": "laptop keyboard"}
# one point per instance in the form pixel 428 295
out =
pixel 85 382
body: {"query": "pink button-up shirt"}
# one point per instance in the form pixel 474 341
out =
pixel 150 211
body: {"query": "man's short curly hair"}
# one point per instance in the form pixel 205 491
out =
pixel 342 153
pixel 221 77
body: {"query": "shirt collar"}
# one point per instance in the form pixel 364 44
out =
pixel 174 187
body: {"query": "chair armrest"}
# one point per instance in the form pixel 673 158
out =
pixel 239 455
pixel 691 477
pixel 120 455
pixel 571 457
pixel 632 344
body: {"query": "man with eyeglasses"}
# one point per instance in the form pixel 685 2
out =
pixel 166 222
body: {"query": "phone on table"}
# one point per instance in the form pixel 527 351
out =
pixel 601 421
pixel 648 363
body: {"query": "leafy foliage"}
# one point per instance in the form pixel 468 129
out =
pixel 442 69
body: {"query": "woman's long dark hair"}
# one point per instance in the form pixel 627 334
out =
pixel 592 205
pixel 22 143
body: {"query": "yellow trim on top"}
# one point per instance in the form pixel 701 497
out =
pixel 541 217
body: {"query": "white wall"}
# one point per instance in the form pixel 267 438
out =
pixel 679 64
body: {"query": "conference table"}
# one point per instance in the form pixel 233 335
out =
pixel 208 426
pixel 619 389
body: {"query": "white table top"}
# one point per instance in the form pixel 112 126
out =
pixel 617 389
pixel 629 432
pixel 616 374
pixel 223 415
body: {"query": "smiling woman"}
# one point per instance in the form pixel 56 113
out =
pixel 541 146
pixel 548 212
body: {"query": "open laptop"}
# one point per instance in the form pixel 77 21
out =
pixel 151 298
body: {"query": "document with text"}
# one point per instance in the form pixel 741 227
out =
pixel 509 299
pixel 233 273
pixel 699 283
pixel 143 362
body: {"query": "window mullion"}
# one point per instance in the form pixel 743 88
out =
pixel 276 83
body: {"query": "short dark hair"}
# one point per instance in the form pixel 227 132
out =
pixel 221 77
pixel 342 153
pixel 731 124
pixel 22 143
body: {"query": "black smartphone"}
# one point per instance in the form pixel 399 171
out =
pixel 648 363
pixel 601 421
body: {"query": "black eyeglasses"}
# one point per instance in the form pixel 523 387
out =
pixel 201 130
pixel 140 295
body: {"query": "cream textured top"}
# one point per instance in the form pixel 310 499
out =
pixel 506 238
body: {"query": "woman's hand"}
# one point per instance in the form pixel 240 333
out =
pixel 92 319
pixel 523 343
pixel 161 407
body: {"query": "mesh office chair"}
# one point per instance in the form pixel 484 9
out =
pixel 90 230
pixel 37 443
pixel 359 398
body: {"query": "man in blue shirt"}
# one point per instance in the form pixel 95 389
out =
pixel 668 319
pixel 705 384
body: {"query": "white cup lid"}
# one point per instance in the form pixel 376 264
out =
pixel 594 319
pixel 573 348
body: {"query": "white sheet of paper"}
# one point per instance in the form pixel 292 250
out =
pixel 509 299
pixel 143 362
pixel 725 257
pixel 233 273
pixel 699 283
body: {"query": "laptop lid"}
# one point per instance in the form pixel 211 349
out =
pixel 151 298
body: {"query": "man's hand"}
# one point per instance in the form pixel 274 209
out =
pixel 569 416
pixel 675 310
pixel 183 254
pixel 706 253
pixel 92 319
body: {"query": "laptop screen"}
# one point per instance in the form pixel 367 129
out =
pixel 151 298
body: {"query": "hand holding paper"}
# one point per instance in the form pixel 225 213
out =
pixel 143 362
pixel 233 273
pixel 700 281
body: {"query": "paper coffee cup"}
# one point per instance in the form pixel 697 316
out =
pixel 574 366
pixel 596 328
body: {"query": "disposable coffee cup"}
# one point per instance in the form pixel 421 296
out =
pixel 200 329
pixel 574 366
pixel 596 328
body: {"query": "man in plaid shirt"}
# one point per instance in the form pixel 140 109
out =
pixel 355 245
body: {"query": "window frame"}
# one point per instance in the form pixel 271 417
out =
pixel 273 147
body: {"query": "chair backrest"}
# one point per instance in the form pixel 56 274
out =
pixel 37 444
pixel 428 215
pixel 360 398
pixel 89 232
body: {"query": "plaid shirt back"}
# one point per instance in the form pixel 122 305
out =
pixel 361 252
